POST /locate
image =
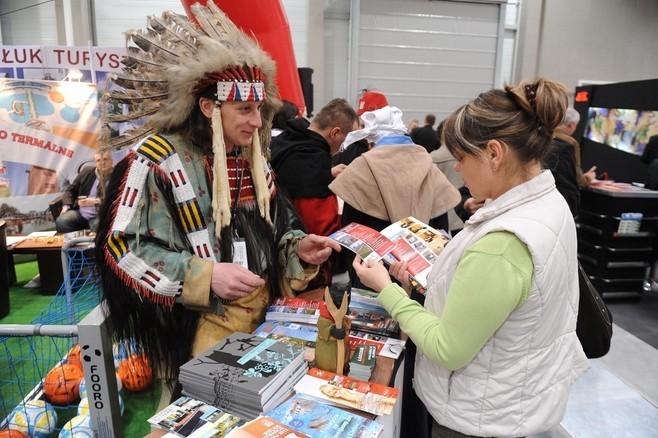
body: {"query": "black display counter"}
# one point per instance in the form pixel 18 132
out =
pixel 617 263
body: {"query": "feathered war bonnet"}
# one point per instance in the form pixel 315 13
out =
pixel 167 67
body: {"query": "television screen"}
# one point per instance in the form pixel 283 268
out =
pixel 625 129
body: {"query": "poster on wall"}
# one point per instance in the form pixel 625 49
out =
pixel 48 132
pixel 49 125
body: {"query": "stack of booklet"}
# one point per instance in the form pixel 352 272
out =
pixel 244 374
pixel 294 310
pixel 363 361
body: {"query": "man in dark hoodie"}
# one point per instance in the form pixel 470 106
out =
pixel 301 160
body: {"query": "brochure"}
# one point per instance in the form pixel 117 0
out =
pixel 347 392
pixel 407 239
pixel 193 418
pixel 320 420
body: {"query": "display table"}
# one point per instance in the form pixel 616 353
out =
pixel 49 259
pixel 384 373
pixel 617 263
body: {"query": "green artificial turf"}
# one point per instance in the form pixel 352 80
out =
pixel 25 306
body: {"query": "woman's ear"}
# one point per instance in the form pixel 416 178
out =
pixel 495 153
pixel 207 106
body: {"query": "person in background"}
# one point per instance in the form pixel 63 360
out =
pixel 82 198
pixel 394 180
pixel 443 159
pixel 413 124
pixel 370 101
pixel 288 111
pixel 497 343
pixel 196 240
pixel 650 158
pixel 301 159
pixel 564 133
pixel 426 135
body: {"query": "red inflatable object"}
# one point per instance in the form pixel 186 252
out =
pixel 266 20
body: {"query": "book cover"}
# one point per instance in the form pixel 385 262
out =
pixel 348 392
pixel 240 366
pixel 364 355
pixel 407 239
pixel 265 427
pixel 386 346
pixel 373 323
pixel 304 335
pixel 189 417
pixel 320 420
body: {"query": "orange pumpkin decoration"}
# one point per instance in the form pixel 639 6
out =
pixel 73 357
pixel 135 373
pixel 8 433
pixel 61 384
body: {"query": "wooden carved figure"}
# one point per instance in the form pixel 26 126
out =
pixel 332 348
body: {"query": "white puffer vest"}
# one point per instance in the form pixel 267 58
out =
pixel 518 384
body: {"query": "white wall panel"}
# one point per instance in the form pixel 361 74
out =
pixel 24 23
pixel 114 17
pixel 427 57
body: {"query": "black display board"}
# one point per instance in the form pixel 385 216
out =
pixel 619 165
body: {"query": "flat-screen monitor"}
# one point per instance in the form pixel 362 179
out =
pixel 625 129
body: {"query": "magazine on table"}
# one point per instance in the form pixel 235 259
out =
pixel 407 240
pixel 188 417
pixel 373 323
pixel 265 427
pixel 348 392
pixel 321 420
pixel 304 335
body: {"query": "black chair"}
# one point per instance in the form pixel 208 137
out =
pixel 55 207
pixel 4 271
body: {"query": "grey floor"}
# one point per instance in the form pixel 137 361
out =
pixel 618 396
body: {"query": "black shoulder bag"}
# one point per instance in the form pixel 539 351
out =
pixel 594 325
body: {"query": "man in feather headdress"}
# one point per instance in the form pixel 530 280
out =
pixel 196 240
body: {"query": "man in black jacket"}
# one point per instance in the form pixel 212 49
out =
pixel 83 197
pixel 301 160
pixel 426 136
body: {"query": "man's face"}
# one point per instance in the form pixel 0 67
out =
pixel 103 162
pixel 240 122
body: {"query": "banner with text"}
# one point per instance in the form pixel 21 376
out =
pixel 48 132
pixel 49 124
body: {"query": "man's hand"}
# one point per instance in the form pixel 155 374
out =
pixel 372 274
pixel 590 175
pixel 65 208
pixel 315 249
pixel 87 202
pixel 231 281
pixel 337 169
pixel 471 205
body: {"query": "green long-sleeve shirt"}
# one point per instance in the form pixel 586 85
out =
pixel 492 279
